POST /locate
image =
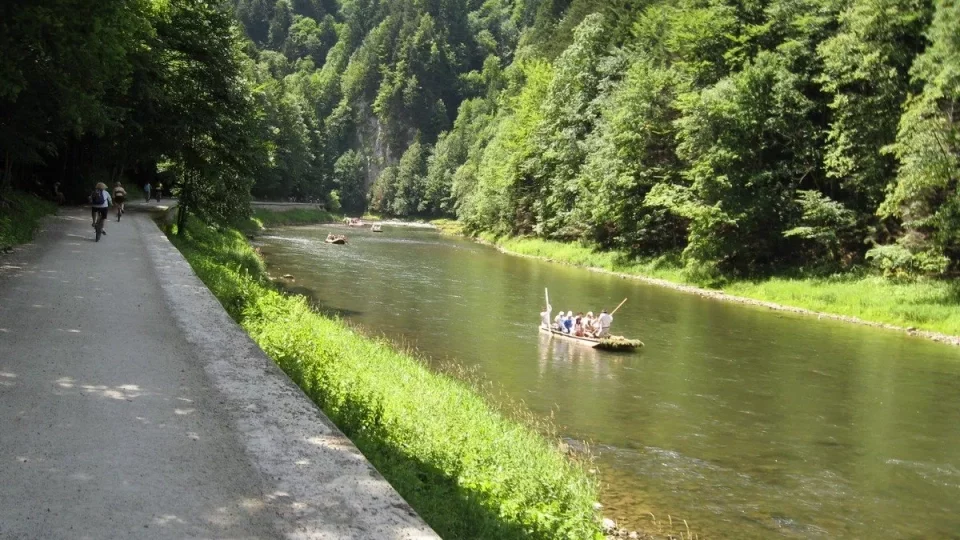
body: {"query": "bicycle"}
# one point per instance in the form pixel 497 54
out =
pixel 118 202
pixel 98 225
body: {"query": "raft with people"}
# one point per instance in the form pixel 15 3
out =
pixel 609 343
pixel 586 329
pixel 336 239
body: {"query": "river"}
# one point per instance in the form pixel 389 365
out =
pixel 747 423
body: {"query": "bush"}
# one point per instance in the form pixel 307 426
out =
pixel 898 261
pixel 20 215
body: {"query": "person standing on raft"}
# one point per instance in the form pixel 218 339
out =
pixel 604 321
pixel 545 317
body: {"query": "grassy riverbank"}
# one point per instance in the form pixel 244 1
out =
pixel 20 215
pixel 926 304
pixel 467 469
pixel 298 216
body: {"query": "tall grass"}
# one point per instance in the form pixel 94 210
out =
pixel 927 304
pixel 298 216
pixel 20 215
pixel 468 470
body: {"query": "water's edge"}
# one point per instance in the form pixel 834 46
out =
pixel 711 293
pixel 725 297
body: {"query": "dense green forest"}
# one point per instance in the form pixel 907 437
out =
pixel 737 137
pixel 743 136
pixel 128 89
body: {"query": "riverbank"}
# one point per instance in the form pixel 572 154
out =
pixel 467 469
pixel 270 217
pixel 20 215
pixel 924 307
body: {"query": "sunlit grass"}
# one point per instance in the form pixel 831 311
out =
pixel 298 216
pixel 20 215
pixel 927 304
pixel 448 226
pixel 468 470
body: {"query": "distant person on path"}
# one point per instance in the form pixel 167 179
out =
pixel 158 190
pixel 119 197
pixel 605 320
pixel 146 191
pixel 99 204
pixel 58 195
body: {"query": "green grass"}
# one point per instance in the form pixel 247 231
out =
pixel 926 304
pixel 469 470
pixel 448 226
pixel 299 216
pixel 20 215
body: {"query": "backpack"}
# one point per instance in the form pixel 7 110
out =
pixel 97 198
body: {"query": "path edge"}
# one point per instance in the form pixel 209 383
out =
pixel 320 483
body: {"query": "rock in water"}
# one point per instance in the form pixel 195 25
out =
pixel 608 525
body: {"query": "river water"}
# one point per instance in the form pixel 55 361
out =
pixel 747 423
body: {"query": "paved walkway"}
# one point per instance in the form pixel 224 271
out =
pixel 132 406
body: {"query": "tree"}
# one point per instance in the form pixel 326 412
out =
pixel 632 150
pixel 349 175
pixel 749 143
pixel 866 68
pixel 925 194
pixel 61 65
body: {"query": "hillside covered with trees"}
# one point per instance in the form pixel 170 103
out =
pixel 743 136
pixel 735 137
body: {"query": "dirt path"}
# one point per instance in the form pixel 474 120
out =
pixel 132 406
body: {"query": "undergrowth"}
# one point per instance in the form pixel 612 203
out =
pixel 468 470
pixel 20 215
pixel 298 216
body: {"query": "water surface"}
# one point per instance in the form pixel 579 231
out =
pixel 746 422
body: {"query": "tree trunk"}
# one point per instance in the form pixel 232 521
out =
pixel 6 180
pixel 182 205
pixel 181 218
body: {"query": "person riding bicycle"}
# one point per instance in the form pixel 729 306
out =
pixel 99 203
pixel 119 196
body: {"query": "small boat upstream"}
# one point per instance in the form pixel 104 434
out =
pixel 336 239
pixel 376 227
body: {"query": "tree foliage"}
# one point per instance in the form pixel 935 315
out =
pixel 747 137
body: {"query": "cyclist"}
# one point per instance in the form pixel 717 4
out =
pixel 119 196
pixel 99 203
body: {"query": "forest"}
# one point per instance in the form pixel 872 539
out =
pixel 734 137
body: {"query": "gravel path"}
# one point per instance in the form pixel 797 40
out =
pixel 132 406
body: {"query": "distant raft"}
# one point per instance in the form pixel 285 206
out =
pixel 336 239
pixel 376 228
pixel 610 343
